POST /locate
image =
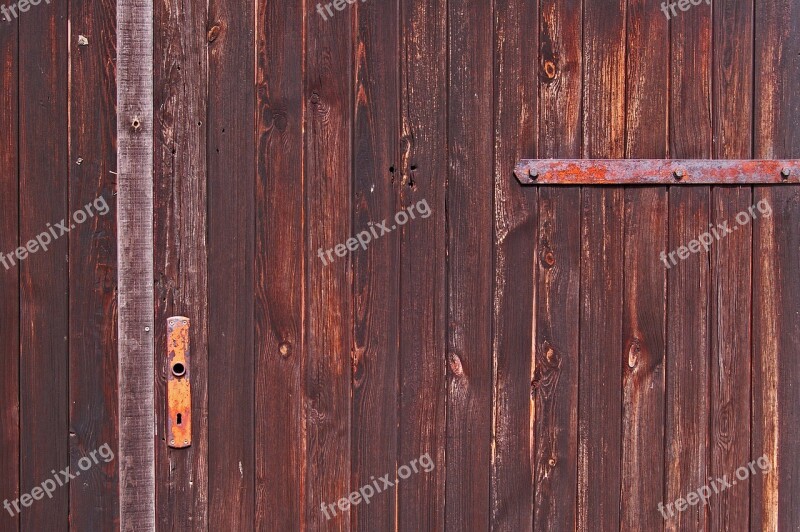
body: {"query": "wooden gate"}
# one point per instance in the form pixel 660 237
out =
pixel 388 329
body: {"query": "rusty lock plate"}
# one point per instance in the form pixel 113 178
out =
pixel 179 392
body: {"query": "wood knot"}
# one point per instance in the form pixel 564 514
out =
pixel 455 365
pixel 552 462
pixel 285 349
pixel 136 123
pixel 550 70
pixel 634 352
pixel 214 32
pixel 314 98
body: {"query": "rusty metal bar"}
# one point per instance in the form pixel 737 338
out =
pixel 657 172
pixel 179 391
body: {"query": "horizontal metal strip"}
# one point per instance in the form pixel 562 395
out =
pixel 657 172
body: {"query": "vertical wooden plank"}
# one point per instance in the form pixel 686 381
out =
pixel 279 267
pixel 602 281
pixel 688 281
pixel 422 379
pixel 776 287
pixel 645 299
pixel 180 259
pixel 9 275
pixel 376 286
pixel 94 501
pixel 43 369
pixel 231 213
pixel 136 455
pixel 555 375
pixel 328 160
pixel 515 219
pixel 731 264
pixel 469 263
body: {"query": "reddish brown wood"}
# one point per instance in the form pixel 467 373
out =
pixel 514 303
pixel 280 256
pixel 602 262
pixel 93 367
pixel 329 337
pixel 43 294
pixel 656 172
pixel 423 318
pixel 376 285
pixel 181 257
pixel 689 282
pixel 776 286
pixel 731 265
pixel 9 274
pixel 231 153
pixel 469 261
pixel 554 387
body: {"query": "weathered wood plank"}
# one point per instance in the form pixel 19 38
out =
pixel 776 286
pixel 421 421
pixel 645 299
pixel 279 269
pixel 731 265
pixel 688 282
pixel 555 375
pixel 44 307
pixel 94 501
pixel 514 300
pixel 136 455
pixel 180 259
pixel 376 285
pixel 469 264
pixel 9 275
pixel 602 263
pixel 328 163
pixel 231 156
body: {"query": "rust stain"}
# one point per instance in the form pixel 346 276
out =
pixel 179 392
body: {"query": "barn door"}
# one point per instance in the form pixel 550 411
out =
pixel 681 290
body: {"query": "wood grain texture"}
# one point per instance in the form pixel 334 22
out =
pixel 44 307
pixel 555 373
pixel 776 287
pixel 423 310
pixel 469 263
pixel 136 456
pixel 731 264
pixel 602 263
pixel 9 275
pixel 645 299
pixel 328 164
pixel 180 259
pixel 93 418
pixel 280 256
pixel 688 282
pixel 514 298
pixel 376 285
pixel 231 156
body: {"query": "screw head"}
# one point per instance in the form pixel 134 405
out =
pixel 678 174
pixel 533 174
pixel 785 173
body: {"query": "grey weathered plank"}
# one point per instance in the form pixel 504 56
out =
pixel 135 259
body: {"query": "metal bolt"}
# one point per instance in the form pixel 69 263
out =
pixel 533 174
pixel 785 173
pixel 678 174
pixel 186 442
pixel 172 442
pixel 147 329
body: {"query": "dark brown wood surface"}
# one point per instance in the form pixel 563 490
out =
pixel 529 340
pixel 9 275
pixel 93 381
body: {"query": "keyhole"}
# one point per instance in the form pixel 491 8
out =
pixel 179 419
